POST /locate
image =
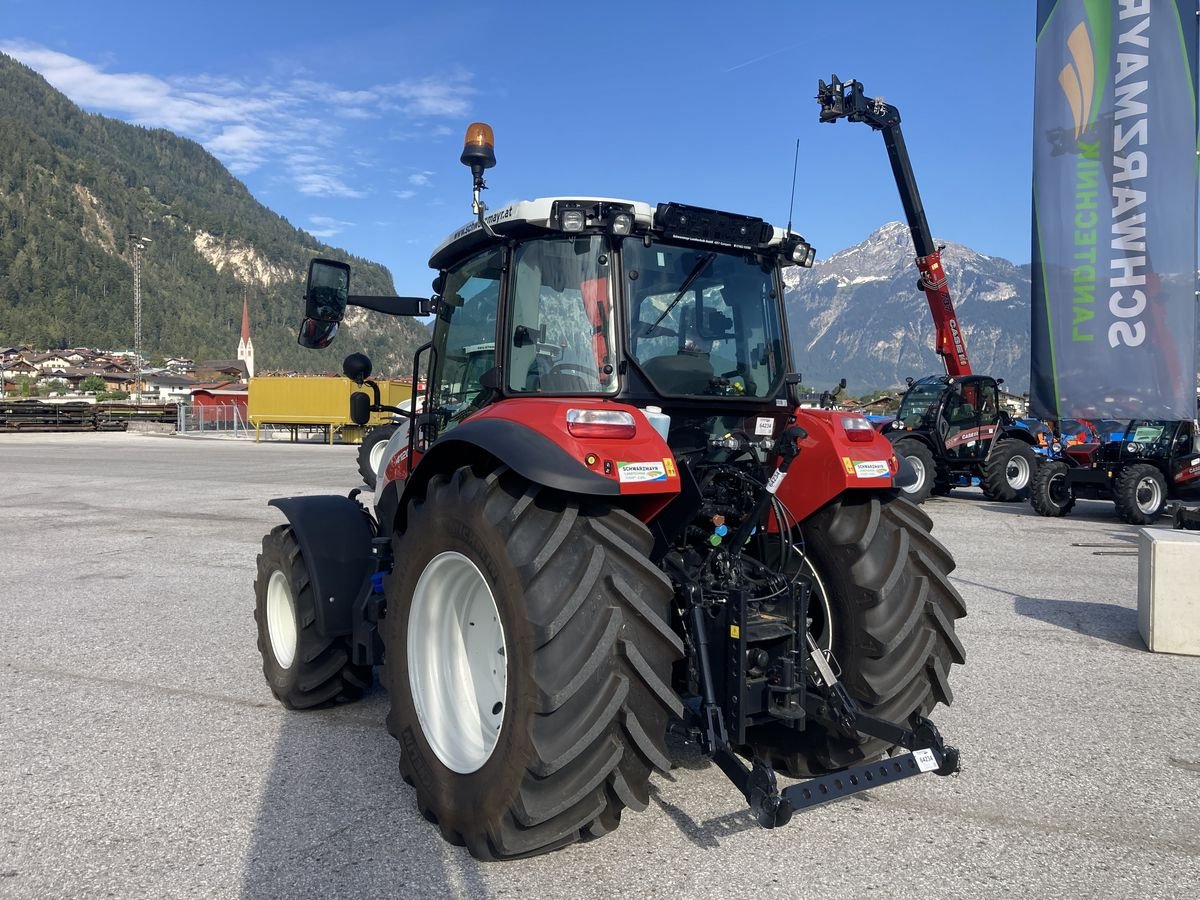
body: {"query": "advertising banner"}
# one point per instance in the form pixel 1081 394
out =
pixel 1114 210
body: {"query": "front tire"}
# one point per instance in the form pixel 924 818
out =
pixel 920 457
pixel 1140 494
pixel 370 453
pixel 574 718
pixel 886 581
pixel 304 668
pixel 1051 493
pixel 1008 471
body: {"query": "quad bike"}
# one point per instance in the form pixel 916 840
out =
pixel 624 525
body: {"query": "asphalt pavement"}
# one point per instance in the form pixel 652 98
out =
pixel 142 754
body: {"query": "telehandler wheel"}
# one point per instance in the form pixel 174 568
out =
pixel 1008 471
pixel 529 657
pixel 370 453
pixel 885 579
pixel 921 458
pixel 303 668
pixel 1051 493
pixel 1140 494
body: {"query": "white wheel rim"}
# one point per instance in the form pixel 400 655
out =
pixel 1148 486
pixel 281 619
pixel 919 468
pixel 457 662
pixel 1017 472
pixel 375 457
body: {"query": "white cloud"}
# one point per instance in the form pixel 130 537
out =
pixel 419 179
pixel 327 226
pixel 405 194
pixel 250 125
pixel 324 184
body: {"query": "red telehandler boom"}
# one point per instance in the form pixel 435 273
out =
pixel 950 427
pixel 845 100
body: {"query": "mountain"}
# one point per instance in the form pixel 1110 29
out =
pixel 859 315
pixel 74 185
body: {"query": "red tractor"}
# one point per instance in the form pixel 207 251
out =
pixel 624 525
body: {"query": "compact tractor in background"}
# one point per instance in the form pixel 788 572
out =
pixel 951 427
pixel 624 524
pixel 1140 468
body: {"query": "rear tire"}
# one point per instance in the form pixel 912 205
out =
pixel 588 651
pixel 1008 471
pixel 304 669
pixel 1051 493
pixel 921 459
pixel 370 453
pixel 1140 494
pixel 887 582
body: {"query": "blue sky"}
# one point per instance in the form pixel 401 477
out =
pixel 347 118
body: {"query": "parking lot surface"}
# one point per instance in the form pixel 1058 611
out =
pixel 142 754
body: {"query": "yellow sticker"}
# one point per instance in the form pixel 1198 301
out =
pixel 669 465
pixel 735 632
pixel 847 465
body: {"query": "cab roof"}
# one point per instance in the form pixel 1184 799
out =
pixel 539 213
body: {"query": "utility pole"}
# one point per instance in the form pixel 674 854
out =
pixel 139 245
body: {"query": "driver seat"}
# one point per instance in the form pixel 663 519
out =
pixel 687 372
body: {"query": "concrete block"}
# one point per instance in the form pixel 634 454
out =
pixel 1169 590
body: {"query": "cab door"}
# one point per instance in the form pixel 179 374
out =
pixel 960 423
pixel 1185 461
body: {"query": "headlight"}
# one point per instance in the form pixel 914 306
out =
pixel 572 220
pixel 622 223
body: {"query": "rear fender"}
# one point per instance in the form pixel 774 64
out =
pixel 530 436
pixel 830 463
pixel 334 534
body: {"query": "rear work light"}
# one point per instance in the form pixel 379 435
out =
pixel 600 423
pixel 858 429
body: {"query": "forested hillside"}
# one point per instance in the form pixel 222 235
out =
pixel 74 185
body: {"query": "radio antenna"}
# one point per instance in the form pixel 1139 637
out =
pixel 792 202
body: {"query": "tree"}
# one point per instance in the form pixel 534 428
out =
pixel 92 384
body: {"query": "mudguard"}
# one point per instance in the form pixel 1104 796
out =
pixel 531 437
pixel 831 463
pixel 334 534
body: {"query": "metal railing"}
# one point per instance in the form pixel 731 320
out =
pixel 226 419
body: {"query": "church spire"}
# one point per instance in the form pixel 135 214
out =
pixel 245 349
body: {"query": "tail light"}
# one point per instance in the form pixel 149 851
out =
pixel 600 423
pixel 858 429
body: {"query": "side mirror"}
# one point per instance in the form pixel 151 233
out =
pixel 316 335
pixel 357 367
pixel 360 408
pixel 328 290
pixel 791 385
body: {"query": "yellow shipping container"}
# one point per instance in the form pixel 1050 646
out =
pixel 316 401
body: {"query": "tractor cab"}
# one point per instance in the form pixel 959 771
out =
pixel 953 430
pixel 959 415
pixel 671 306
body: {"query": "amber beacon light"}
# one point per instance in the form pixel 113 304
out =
pixel 479 147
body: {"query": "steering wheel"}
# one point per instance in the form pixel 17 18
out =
pixel 588 374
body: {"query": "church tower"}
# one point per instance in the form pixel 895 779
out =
pixel 245 347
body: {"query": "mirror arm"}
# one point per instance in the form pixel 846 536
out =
pixel 409 306
pixel 405 413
